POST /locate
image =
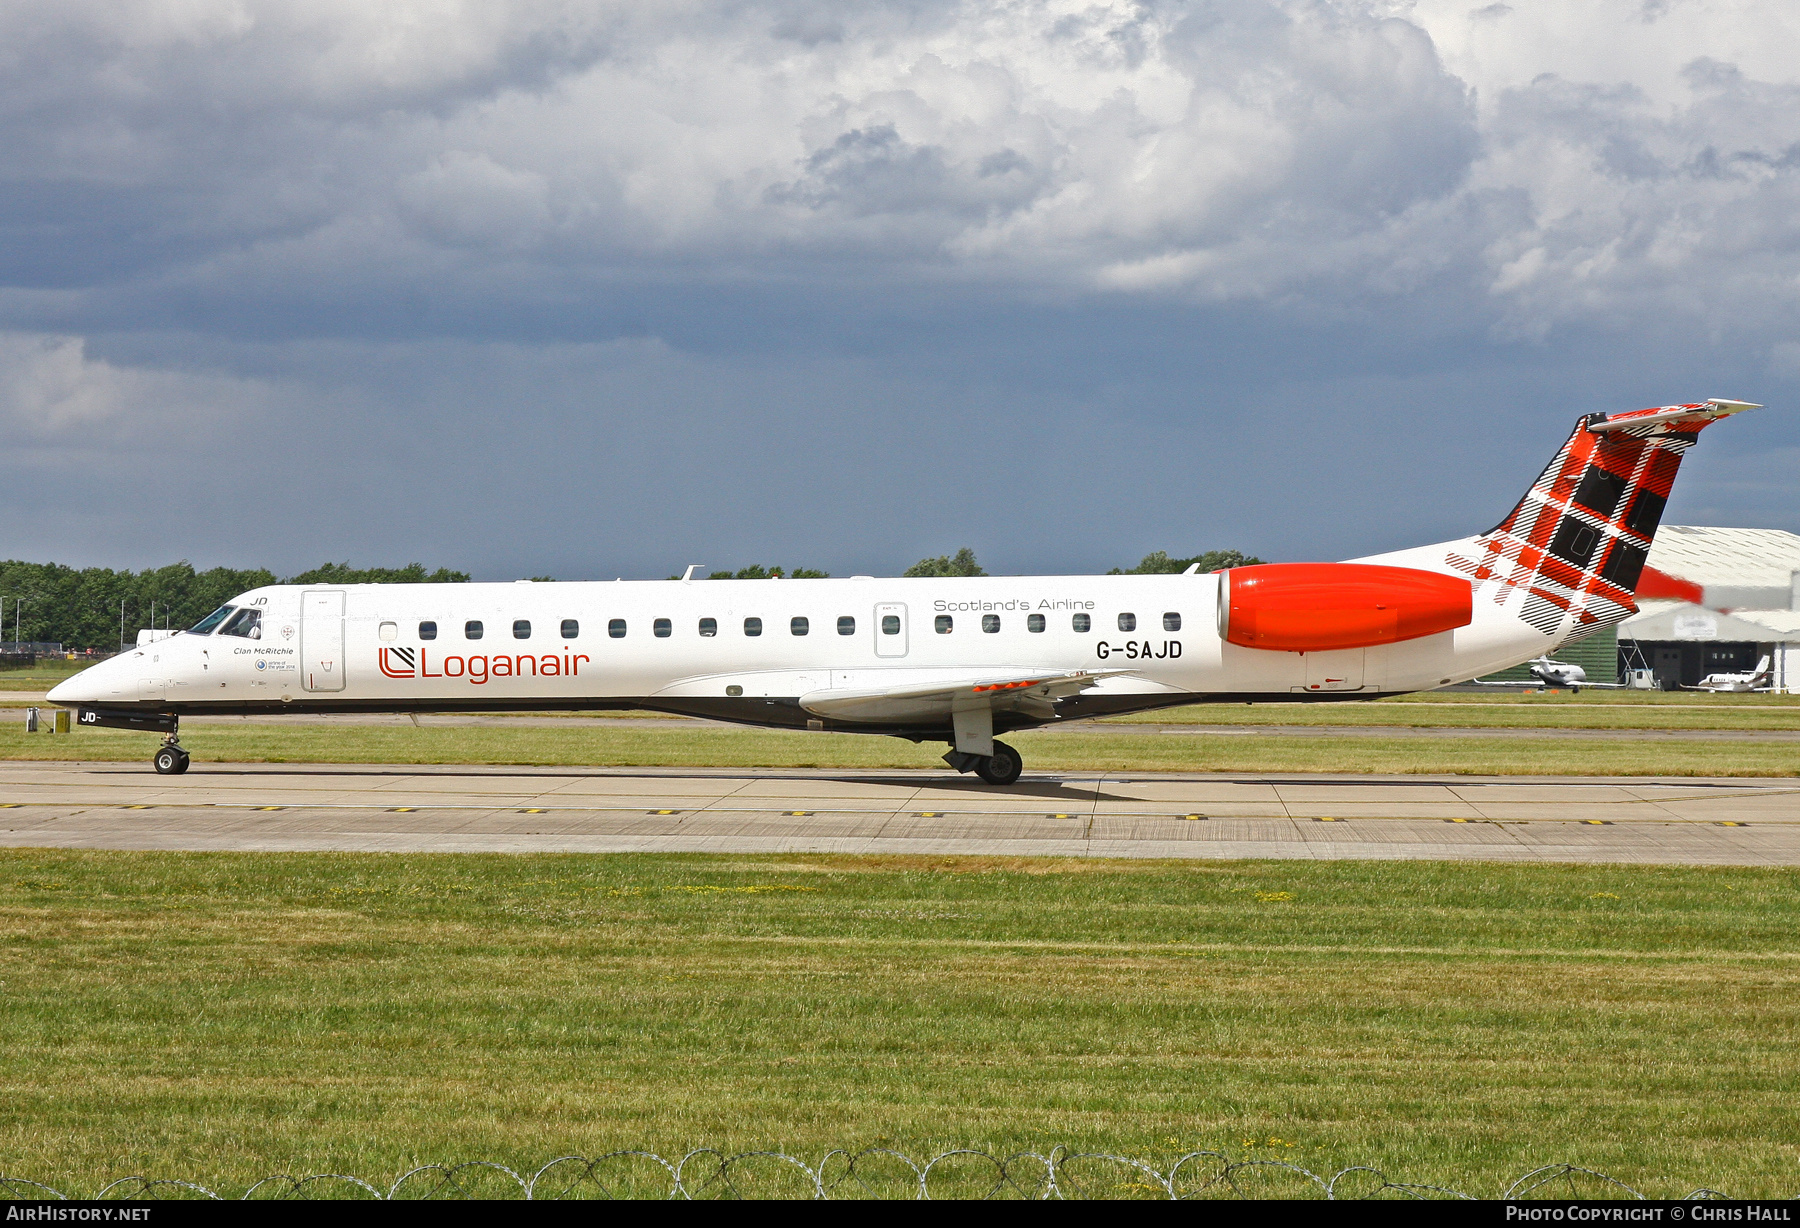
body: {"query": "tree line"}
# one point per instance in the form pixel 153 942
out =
pixel 96 607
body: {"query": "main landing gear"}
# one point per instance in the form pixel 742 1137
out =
pixel 1000 768
pixel 170 759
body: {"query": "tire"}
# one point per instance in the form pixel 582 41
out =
pixel 182 767
pixel 1002 767
pixel 170 761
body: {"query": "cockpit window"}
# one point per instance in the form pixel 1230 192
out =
pixel 245 623
pixel 205 626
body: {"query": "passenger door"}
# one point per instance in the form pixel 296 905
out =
pixel 322 640
pixel 890 630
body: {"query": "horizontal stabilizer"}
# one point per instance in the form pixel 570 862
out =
pixel 1711 410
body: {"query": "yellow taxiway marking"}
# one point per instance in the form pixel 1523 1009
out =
pixel 1598 822
pixel 929 814
pixel 401 809
pixel 664 812
pixel 1192 817
pixel 1325 818
pixel 533 810
pixel 268 807
pixel 796 814
pixel 1731 823
pixel 1065 816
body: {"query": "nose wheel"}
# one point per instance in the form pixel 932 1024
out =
pixel 170 760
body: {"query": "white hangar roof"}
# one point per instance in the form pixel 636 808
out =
pixel 1747 568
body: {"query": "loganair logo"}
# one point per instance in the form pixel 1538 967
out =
pixel 479 669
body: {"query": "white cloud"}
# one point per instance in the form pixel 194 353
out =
pixel 51 392
pixel 1572 162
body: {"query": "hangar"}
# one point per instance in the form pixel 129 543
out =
pixel 1716 599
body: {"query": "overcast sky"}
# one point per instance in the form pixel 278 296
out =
pixel 598 289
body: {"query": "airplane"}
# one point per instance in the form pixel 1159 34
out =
pixel 1736 683
pixel 1546 672
pixel 953 660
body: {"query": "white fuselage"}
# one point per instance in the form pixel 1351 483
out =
pixel 751 650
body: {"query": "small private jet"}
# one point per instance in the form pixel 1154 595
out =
pixel 1737 682
pixel 955 660
pixel 1545 672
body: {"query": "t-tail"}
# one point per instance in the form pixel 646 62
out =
pixel 1576 543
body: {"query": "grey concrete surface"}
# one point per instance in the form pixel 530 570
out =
pixel 364 807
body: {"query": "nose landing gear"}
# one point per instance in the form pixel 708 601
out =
pixel 170 759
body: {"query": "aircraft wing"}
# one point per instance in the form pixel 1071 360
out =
pixel 1034 693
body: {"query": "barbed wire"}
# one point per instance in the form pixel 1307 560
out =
pixel 873 1172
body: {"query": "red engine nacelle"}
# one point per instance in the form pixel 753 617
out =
pixel 1316 607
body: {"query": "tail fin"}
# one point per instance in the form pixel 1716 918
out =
pixel 1578 539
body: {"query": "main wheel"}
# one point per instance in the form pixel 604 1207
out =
pixel 1002 767
pixel 183 765
pixel 170 761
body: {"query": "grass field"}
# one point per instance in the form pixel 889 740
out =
pixel 600 745
pixel 41 676
pixel 1467 709
pixel 223 1016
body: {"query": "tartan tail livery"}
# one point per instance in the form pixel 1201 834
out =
pixel 1568 557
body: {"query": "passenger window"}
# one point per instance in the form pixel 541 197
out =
pixel 1171 621
pixel 388 631
pixel 661 628
pixel 709 627
pixel 522 629
pixel 799 626
pixel 1034 622
pixel 571 628
pixel 428 631
pixel 890 624
pixel 246 624
pixel 1081 622
pixel 615 627
pixel 753 626
pixel 1128 622
pixel 734 690
pixel 990 623
pixel 472 629
pixel 943 624
pixel 846 625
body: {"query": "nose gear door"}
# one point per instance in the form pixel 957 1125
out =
pixel 322 640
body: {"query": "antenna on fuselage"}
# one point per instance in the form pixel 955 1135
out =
pixel 689 573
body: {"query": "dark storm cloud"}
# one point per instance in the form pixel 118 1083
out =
pixel 598 289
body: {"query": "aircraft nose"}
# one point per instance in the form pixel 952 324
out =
pixel 79 689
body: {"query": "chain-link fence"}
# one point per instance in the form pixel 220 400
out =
pixel 875 1172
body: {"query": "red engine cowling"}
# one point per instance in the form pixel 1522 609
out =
pixel 1316 607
